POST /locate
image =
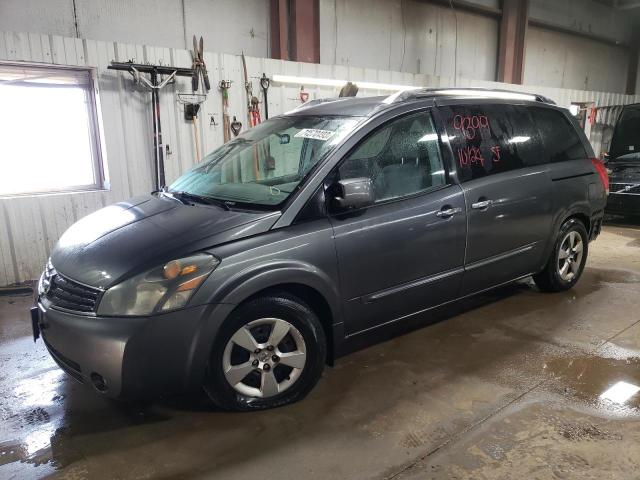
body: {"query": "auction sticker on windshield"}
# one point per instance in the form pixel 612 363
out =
pixel 314 134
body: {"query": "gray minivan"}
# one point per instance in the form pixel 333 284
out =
pixel 290 244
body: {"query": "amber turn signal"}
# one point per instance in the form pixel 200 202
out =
pixel 191 284
pixel 172 269
pixel 188 269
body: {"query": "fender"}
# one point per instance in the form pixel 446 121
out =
pixel 250 281
pixel 242 285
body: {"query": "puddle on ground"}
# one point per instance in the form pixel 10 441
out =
pixel 609 384
pixel 614 275
pixel 617 275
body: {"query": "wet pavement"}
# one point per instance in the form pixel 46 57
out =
pixel 515 383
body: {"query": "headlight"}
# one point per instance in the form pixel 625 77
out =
pixel 164 288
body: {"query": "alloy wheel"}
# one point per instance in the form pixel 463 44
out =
pixel 264 357
pixel 570 256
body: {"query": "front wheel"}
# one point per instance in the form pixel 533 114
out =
pixel 567 259
pixel 270 352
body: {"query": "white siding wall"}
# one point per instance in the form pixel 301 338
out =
pixel 408 36
pixel 30 226
pixel 403 35
pixel 566 61
pixel 587 16
pixel 231 25
pixel 419 37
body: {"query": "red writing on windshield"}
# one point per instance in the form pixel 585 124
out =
pixel 470 124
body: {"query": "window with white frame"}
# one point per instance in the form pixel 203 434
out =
pixel 49 136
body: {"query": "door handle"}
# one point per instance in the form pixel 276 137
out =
pixel 448 212
pixel 482 205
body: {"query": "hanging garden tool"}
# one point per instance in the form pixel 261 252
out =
pixel 304 96
pixel 264 83
pixel 224 86
pixel 191 104
pixel 199 67
pixel 253 111
pixel 136 69
pixel 253 114
pixel 235 126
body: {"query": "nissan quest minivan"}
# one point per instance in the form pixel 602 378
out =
pixel 316 229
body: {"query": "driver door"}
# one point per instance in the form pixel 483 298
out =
pixel 404 253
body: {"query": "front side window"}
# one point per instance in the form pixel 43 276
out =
pixel 490 139
pixel 401 158
pixel 265 165
pixel 49 130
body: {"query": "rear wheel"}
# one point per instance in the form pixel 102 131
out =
pixel 269 353
pixel 567 259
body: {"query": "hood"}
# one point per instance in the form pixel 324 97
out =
pixel 624 172
pixel 107 246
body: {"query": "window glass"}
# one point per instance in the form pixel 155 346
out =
pixel 48 125
pixel 401 158
pixel 264 165
pixel 490 139
pixel 559 136
pixel 625 143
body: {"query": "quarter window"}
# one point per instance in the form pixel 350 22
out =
pixel 561 141
pixel 50 140
pixel 401 158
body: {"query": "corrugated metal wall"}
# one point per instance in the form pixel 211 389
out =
pixel 29 226
pixel 415 37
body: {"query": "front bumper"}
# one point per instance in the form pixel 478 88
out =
pixel 134 356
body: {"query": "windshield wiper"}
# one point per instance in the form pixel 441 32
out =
pixel 186 196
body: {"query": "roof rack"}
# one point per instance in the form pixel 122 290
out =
pixel 417 93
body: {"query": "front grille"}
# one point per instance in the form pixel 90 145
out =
pixel 70 295
pixel 624 188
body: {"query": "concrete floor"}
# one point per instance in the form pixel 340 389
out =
pixel 506 389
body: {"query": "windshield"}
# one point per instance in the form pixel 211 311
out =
pixel 625 144
pixel 264 166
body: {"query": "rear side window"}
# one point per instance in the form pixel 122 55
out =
pixel 490 139
pixel 559 136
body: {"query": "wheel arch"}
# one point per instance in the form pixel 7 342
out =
pixel 314 299
pixel 306 281
pixel 582 217
pixel 578 213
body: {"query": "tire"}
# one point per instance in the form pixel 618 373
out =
pixel 560 273
pixel 303 345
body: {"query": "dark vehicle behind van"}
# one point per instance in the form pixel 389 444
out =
pixel 624 164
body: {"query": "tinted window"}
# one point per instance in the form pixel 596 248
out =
pixel 559 136
pixel 401 158
pixel 626 138
pixel 489 139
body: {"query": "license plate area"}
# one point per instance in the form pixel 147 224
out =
pixel 36 318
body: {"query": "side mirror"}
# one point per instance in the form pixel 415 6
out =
pixel 353 193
